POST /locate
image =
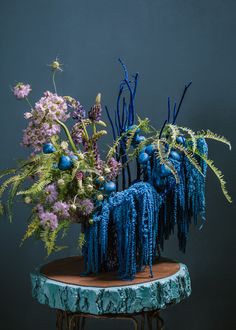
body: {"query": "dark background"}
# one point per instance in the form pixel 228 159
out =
pixel 169 42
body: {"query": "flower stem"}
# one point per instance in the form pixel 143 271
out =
pixel 28 102
pixel 54 82
pixel 68 135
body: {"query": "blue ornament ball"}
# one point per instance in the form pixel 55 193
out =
pixel 150 149
pixel 180 139
pixel 175 155
pixel 139 138
pixel 49 148
pixel 65 163
pixel 164 170
pixel 109 187
pixel 143 158
pixel 132 127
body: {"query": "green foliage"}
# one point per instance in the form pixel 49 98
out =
pixel 33 227
pixel 81 240
pixel 210 135
pixel 49 237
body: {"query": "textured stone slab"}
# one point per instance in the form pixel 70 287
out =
pixel 145 294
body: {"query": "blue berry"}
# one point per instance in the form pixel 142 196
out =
pixel 65 163
pixel 180 139
pixel 49 148
pixel 175 155
pixel 143 158
pixel 109 187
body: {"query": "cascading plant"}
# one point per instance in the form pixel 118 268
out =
pixel 68 182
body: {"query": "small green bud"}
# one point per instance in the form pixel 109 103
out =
pixel 100 197
pixel 101 179
pixel 61 183
pixel 90 221
pixel 64 145
pixel 73 207
pixel 89 187
pixel 107 170
pixel 27 200
pixel 80 156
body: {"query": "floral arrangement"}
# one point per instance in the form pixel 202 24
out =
pixel 125 217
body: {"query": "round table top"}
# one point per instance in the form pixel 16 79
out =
pixel 68 271
pixel 59 285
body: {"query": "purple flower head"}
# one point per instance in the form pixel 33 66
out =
pixel 77 134
pixel 79 175
pixel 51 192
pixel 95 112
pixel 42 120
pixel 78 110
pixel 85 207
pixel 21 91
pixel 61 209
pixel 48 220
pixel 115 168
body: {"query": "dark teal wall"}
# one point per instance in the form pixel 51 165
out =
pixel 169 42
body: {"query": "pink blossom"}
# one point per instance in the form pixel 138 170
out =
pixel 21 91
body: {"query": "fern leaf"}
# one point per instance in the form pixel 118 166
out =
pixel 7 182
pixel 218 174
pixel 7 172
pixel 32 228
pixel 36 188
pixel 81 240
pixel 210 135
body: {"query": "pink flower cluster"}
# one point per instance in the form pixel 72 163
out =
pixel 21 91
pixel 42 125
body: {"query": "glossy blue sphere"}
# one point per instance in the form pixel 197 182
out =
pixel 65 163
pixel 49 148
pixel 164 170
pixel 180 139
pixel 133 127
pixel 109 187
pixel 139 138
pixel 175 155
pixel 143 158
pixel 150 149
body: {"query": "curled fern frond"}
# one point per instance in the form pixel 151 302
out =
pixel 190 156
pixel 218 174
pixel 213 136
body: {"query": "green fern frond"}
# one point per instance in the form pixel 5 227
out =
pixel 218 174
pixel 81 240
pixel 32 228
pixel 36 188
pixel 49 237
pixel 190 156
pixel 192 137
pixel 213 136
pixel 7 182
pixel 174 132
pixel 7 172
